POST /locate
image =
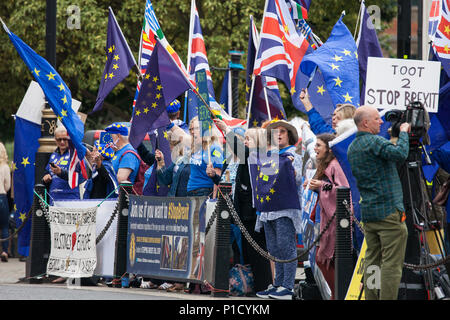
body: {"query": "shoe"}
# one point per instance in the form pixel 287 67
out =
pixel 148 285
pixel 265 293
pixel 60 280
pixel 282 294
pixel 4 257
pixel 177 287
pixel 165 286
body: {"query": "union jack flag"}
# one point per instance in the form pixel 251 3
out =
pixel 439 31
pixel 281 48
pixel 76 166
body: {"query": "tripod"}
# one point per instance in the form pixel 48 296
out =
pixel 417 218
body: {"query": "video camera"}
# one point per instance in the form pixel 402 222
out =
pixel 414 114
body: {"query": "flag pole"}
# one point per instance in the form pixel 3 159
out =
pixel 188 62
pixel 250 100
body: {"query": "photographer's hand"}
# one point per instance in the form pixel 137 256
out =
pixel 405 127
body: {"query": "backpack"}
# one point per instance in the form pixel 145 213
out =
pixel 138 185
pixel 241 281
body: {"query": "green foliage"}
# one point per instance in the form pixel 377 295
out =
pixel 81 52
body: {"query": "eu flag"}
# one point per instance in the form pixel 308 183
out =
pixel 57 93
pixel 119 61
pixel 163 82
pixel 273 180
pixel 337 58
pixel 26 135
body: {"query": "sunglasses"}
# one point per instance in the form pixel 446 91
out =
pixel 61 139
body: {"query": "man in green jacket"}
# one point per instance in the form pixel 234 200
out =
pixel 373 160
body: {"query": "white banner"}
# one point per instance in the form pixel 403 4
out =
pixel 394 83
pixel 106 247
pixel 73 250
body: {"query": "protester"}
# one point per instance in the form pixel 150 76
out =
pixel 242 200
pixel 328 177
pixel 281 221
pixel 103 182
pixel 373 160
pixel 58 167
pixel 173 110
pixel 177 174
pixel 125 163
pixel 205 152
pixel 5 185
pixel 318 125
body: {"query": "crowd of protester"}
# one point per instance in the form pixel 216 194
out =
pixel 199 163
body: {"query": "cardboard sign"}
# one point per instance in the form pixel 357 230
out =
pixel 394 83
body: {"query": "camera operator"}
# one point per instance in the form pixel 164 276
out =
pixel 373 160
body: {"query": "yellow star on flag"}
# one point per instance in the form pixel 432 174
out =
pixel 346 52
pixel 51 76
pixel 255 123
pixel 111 75
pixel 320 90
pixel 145 110
pixel 338 82
pixel 22 216
pixel 116 57
pixel 154 105
pixel 347 97
pixel 138 112
pixel 267 198
pixel 155 78
pixel 147 76
pixel 25 162
pixel 166 135
pixel 292 91
pixel 334 67
pixel 337 58
pixel 159 87
pixel 272 190
pixel 115 66
pixel 13 167
pixel 61 87
pixel 158 96
pixel 36 71
pixel 64 100
pixel 64 113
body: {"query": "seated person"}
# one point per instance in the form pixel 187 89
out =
pixel 103 180
pixel 125 161
pixel 56 177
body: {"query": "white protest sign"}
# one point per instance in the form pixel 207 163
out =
pixel 73 250
pixel 394 83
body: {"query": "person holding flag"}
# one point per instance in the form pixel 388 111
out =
pixel 56 177
pixel 274 176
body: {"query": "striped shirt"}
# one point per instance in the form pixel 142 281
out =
pixel 373 160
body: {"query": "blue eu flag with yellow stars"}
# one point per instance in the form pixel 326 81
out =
pixel 337 58
pixel 119 61
pixel 56 92
pixel 273 182
pixel 163 82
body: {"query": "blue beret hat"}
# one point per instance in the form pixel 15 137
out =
pixel 118 128
pixel 174 106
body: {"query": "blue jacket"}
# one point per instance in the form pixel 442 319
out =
pixel 177 180
pixel 317 124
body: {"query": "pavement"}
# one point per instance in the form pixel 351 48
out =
pixel 12 276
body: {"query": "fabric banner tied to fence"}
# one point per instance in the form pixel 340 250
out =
pixel 73 242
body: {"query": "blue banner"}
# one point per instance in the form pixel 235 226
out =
pixel 166 237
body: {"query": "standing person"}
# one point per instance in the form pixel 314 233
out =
pixel 125 162
pixel 373 160
pixel 103 180
pixel 329 175
pixel 58 167
pixel 254 140
pixel 173 111
pixel 282 223
pixel 205 152
pixel 5 185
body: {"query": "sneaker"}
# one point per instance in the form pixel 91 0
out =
pixel 265 293
pixel 282 294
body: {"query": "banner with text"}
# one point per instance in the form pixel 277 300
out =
pixel 166 237
pixel 73 250
pixel 394 83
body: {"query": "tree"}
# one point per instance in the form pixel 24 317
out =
pixel 81 52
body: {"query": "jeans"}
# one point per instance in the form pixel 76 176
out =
pixel 200 192
pixel 386 245
pixel 4 221
pixel 281 243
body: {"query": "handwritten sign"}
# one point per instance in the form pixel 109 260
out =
pixel 394 83
pixel 73 236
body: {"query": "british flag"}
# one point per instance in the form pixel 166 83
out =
pixel 76 166
pixel 281 48
pixel 439 31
